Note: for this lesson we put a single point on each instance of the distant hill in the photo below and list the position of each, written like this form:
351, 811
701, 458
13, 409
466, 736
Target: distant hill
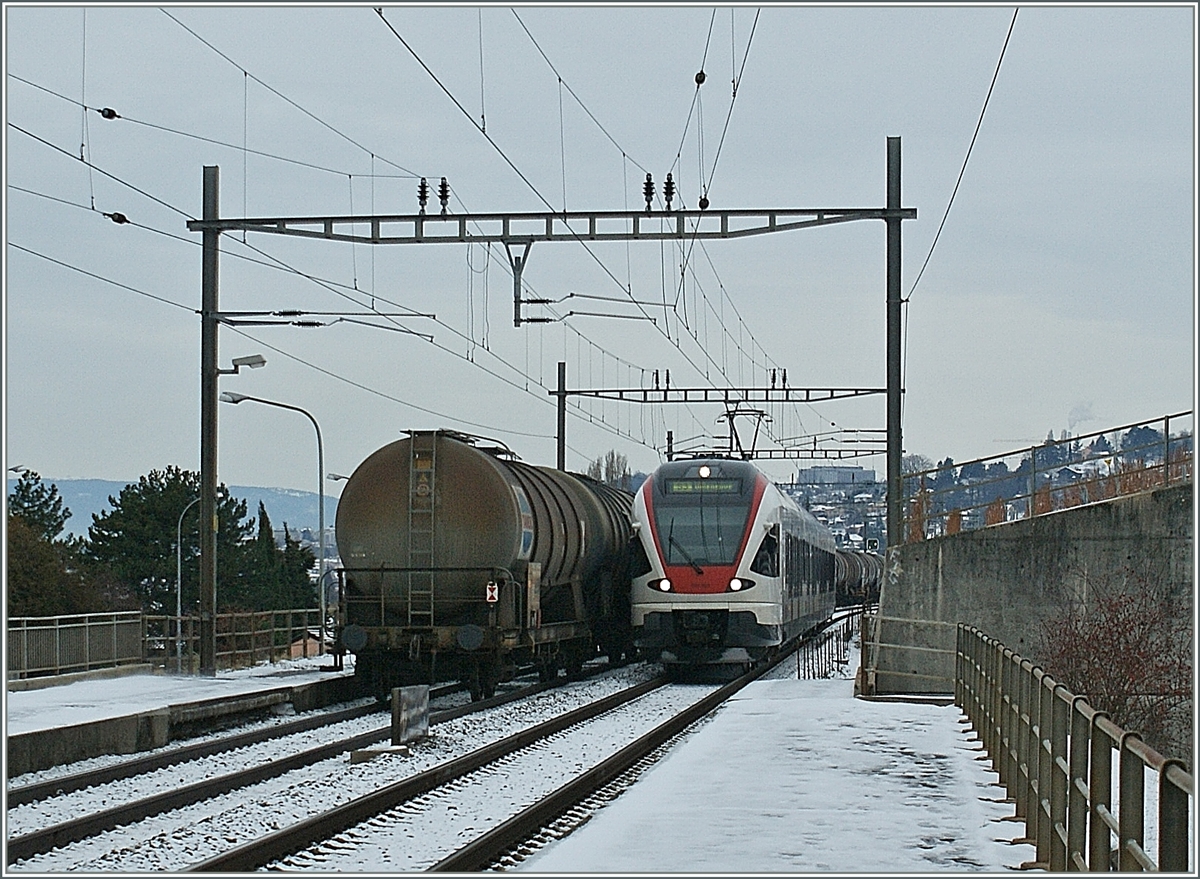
83, 497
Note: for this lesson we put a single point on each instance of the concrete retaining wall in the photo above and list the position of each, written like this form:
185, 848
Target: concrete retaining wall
1008, 578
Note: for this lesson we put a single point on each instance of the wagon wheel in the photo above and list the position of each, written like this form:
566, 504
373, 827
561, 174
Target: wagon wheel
574, 661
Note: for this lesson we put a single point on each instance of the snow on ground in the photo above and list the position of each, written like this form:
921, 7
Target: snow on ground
789, 776
91, 700
799, 776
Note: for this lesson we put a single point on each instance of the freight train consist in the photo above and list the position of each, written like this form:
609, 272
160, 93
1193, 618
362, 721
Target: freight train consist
727, 568
462, 562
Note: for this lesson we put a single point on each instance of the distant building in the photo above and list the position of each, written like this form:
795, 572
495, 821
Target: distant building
848, 475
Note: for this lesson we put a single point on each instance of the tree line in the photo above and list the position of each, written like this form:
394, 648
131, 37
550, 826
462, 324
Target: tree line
129, 559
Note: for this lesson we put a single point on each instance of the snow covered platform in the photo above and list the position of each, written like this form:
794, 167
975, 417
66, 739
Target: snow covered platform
135, 712
790, 776
799, 776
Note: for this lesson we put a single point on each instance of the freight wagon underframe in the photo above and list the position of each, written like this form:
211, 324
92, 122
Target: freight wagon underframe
480, 646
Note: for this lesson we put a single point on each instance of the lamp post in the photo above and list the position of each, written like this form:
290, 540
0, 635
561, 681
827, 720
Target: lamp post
230, 397
179, 587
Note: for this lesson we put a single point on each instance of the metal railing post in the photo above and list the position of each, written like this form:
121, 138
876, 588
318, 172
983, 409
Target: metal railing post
1166, 450
1009, 685
1077, 788
1032, 481
1129, 816
1022, 740
1061, 769
1173, 819
995, 738
1100, 793
1042, 767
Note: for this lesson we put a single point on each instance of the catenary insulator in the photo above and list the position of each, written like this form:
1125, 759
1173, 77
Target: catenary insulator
444, 194
648, 191
109, 113
117, 217
669, 191
703, 202
423, 193
700, 77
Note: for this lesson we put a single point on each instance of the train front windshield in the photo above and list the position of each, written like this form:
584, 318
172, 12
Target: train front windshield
701, 519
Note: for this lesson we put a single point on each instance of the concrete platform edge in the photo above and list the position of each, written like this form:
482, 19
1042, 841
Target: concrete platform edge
42, 749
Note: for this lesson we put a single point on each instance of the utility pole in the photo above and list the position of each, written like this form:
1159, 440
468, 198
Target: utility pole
895, 439
208, 425
561, 393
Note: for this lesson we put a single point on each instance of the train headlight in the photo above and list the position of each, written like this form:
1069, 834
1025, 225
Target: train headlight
663, 585
739, 584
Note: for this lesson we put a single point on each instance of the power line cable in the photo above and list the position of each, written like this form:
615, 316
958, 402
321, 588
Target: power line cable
109, 113
570, 90
282, 96
57, 148
461, 108
967, 157
729, 115
120, 218
946, 214
65, 265
521, 175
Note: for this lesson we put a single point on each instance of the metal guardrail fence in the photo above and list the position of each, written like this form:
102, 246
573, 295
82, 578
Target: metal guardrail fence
64, 644
1053, 476
825, 654
243, 639
1053, 752
43, 646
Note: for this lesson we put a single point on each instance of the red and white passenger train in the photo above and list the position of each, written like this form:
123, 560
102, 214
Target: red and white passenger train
730, 567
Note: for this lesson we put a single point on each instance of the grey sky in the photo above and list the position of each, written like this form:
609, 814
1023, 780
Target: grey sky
1061, 293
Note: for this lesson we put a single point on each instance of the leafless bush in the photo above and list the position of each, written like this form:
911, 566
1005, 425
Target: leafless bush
1129, 650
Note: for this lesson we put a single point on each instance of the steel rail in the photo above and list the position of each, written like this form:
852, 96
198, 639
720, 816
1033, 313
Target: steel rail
488, 848
30, 793
48, 838
65, 784
259, 852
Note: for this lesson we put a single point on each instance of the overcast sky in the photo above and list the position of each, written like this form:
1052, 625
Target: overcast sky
1061, 294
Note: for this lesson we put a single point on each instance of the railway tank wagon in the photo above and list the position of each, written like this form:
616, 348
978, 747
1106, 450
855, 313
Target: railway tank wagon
858, 577
461, 562
726, 567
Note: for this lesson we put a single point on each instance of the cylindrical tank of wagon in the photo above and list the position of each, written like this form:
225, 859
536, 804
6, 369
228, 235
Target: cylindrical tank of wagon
488, 513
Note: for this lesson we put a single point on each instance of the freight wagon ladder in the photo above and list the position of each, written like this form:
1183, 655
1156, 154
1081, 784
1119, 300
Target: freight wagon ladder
422, 471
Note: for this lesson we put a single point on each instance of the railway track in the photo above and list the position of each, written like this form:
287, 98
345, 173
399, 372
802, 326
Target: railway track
492, 798
569, 805
25, 845
418, 823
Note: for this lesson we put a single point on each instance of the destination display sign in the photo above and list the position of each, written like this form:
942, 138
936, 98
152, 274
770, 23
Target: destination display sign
704, 486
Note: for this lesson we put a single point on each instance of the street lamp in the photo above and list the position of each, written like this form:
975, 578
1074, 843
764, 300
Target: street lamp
179, 587
231, 397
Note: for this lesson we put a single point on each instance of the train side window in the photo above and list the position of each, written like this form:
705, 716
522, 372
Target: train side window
766, 560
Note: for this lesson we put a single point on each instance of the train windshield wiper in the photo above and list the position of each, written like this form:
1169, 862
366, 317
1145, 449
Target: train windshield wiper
683, 552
